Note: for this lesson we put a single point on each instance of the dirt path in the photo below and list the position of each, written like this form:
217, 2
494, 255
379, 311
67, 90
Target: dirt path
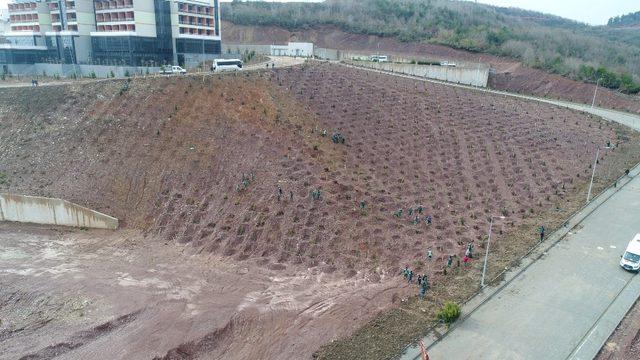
84, 294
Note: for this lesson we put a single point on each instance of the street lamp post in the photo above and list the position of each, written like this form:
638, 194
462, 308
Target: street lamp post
486, 255
593, 173
594, 93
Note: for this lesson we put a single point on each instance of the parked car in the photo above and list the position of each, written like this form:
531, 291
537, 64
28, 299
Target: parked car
168, 70
630, 260
379, 58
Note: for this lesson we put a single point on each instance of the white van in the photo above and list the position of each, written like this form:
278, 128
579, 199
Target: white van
379, 58
631, 258
226, 64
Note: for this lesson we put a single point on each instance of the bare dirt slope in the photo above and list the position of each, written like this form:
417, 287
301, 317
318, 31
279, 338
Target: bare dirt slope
510, 75
168, 156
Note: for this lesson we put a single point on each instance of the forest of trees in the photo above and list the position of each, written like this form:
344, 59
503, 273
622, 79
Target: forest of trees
632, 19
538, 40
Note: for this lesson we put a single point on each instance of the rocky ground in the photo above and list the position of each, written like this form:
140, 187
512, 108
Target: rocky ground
195, 163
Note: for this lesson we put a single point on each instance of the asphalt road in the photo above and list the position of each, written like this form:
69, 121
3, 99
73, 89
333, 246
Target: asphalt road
563, 306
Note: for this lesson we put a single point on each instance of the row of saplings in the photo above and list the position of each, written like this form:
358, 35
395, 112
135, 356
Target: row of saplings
450, 311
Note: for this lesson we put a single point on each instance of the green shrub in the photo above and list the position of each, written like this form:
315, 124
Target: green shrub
92, 75
3, 178
112, 74
449, 313
127, 74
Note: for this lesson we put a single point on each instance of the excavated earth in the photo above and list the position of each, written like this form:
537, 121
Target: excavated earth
508, 74
209, 262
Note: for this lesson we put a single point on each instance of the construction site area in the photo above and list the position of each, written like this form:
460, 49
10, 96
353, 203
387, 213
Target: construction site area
269, 213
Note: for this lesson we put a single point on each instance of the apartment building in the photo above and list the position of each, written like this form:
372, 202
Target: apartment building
71, 24
48, 31
24, 39
112, 32
143, 32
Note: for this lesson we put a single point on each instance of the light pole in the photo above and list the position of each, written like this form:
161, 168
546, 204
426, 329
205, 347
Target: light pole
594, 93
486, 255
593, 173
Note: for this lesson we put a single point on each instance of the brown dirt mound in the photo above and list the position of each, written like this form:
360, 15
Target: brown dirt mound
510, 75
168, 156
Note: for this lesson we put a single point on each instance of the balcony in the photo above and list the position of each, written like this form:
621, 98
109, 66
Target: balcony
109, 5
22, 7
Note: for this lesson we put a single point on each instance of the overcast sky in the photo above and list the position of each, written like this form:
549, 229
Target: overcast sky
595, 12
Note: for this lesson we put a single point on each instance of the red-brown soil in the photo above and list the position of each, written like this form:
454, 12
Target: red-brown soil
624, 343
167, 155
510, 75
73, 294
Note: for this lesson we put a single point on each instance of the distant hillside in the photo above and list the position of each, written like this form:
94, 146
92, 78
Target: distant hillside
542, 41
632, 19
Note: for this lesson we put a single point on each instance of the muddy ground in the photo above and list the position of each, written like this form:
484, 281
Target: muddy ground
192, 165
78, 294
510, 75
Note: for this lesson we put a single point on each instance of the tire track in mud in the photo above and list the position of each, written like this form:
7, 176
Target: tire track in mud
83, 338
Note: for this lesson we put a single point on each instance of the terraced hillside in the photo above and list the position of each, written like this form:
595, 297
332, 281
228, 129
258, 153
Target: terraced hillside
168, 156
200, 162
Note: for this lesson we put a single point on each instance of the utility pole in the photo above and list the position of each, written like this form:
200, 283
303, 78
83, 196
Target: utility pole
594, 93
593, 173
486, 255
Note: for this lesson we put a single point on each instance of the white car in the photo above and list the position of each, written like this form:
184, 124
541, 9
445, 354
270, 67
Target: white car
379, 58
630, 260
172, 70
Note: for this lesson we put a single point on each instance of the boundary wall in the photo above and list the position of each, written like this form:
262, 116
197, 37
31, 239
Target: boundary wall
478, 76
51, 211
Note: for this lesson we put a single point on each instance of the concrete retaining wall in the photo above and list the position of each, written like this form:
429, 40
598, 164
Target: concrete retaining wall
42, 210
246, 48
326, 54
477, 76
